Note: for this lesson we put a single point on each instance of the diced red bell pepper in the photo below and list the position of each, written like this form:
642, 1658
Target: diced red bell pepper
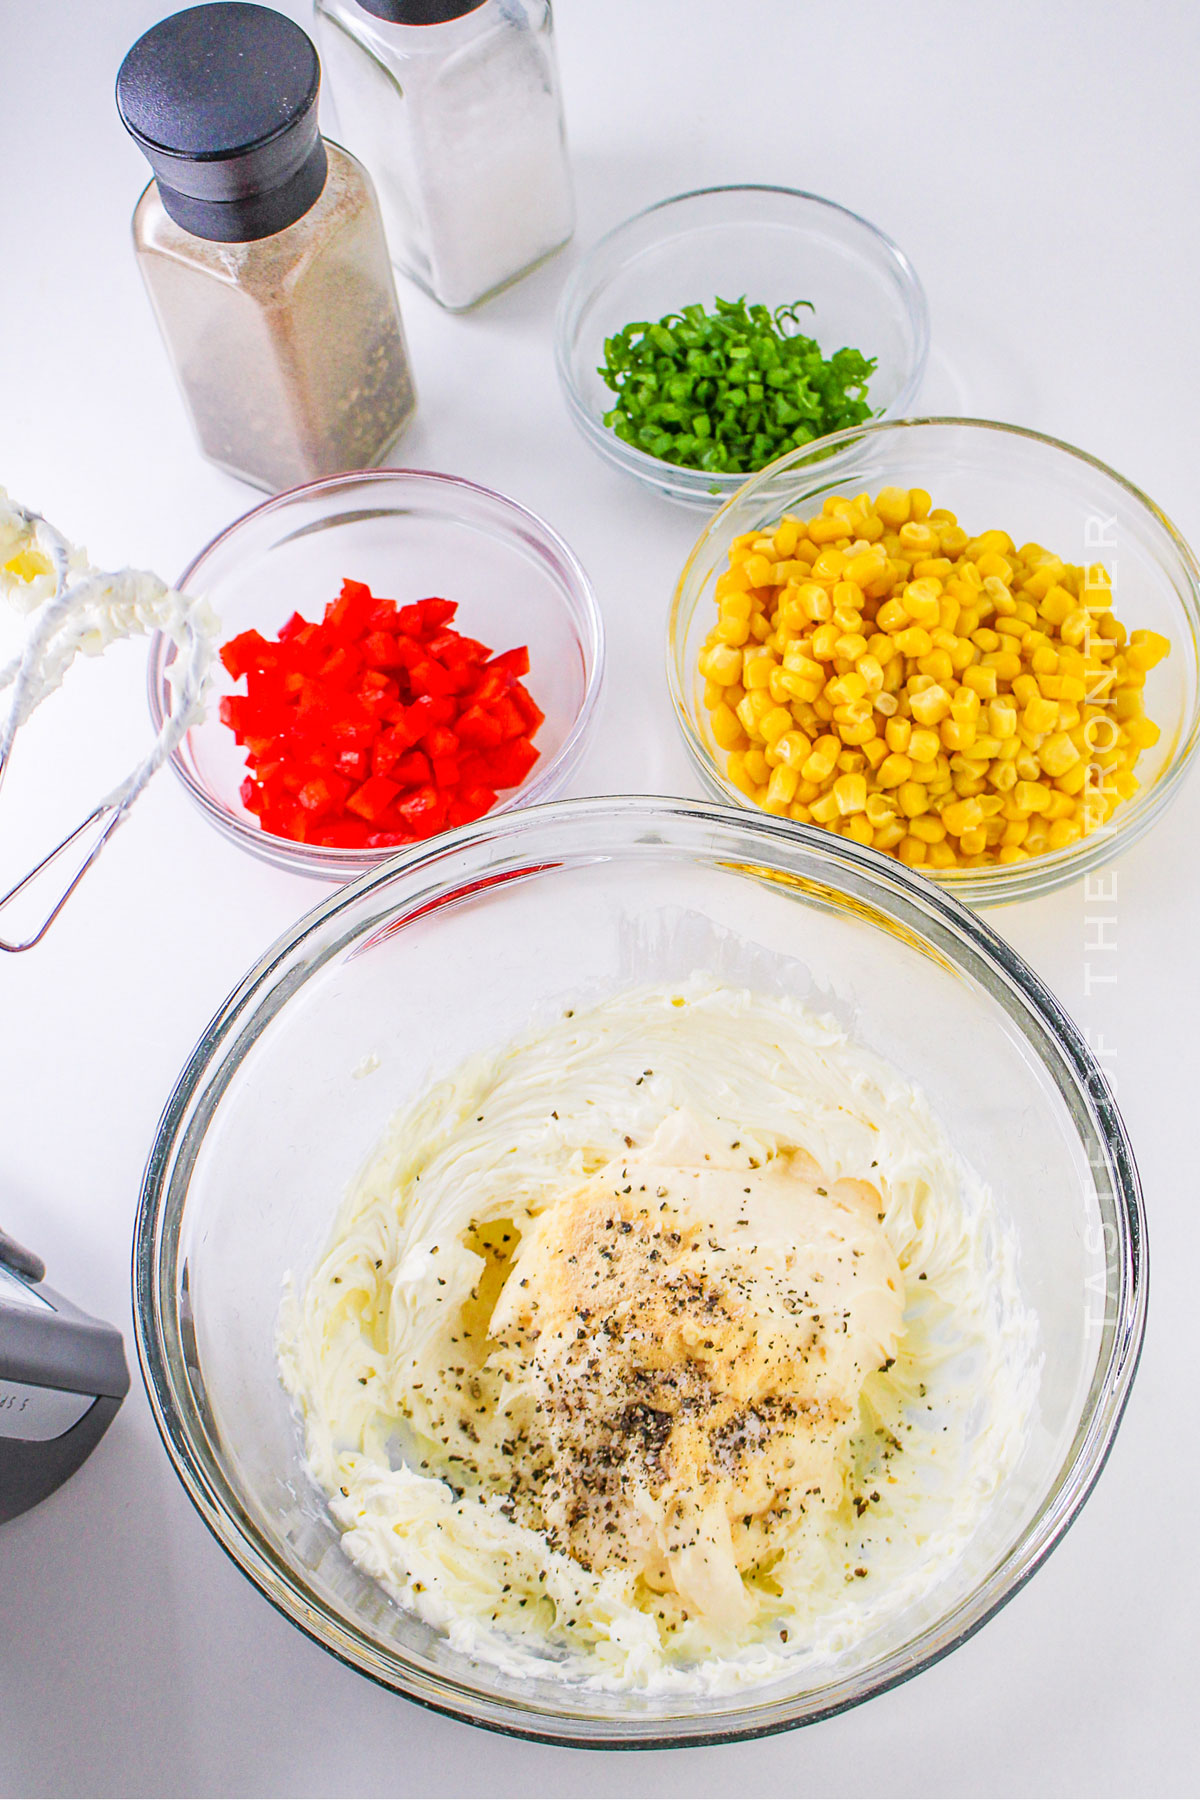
512, 663
477, 727
509, 718
249, 650
510, 764
373, 798
334, 710
435, 612
412, 770
528, 707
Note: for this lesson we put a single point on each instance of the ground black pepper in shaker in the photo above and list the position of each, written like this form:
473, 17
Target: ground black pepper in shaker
262, 250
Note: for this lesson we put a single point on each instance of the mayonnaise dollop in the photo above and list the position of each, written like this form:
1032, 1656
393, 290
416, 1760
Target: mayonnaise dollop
669, 1348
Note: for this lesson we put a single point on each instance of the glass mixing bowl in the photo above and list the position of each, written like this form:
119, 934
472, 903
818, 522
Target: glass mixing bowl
991, 476
769, 244
455, 947
407, 533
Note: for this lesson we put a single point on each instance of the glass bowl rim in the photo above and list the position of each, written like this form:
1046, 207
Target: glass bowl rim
156, 1241
700, 483
331, 863
1003, 883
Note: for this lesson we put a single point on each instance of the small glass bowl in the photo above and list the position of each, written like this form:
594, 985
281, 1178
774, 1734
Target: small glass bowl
771, 244
448, 952
993, 477
407, 533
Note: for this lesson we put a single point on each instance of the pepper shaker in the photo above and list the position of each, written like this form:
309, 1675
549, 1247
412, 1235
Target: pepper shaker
454, 107
262, 249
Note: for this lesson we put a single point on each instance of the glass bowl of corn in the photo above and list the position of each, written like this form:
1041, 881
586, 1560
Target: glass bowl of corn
961, 644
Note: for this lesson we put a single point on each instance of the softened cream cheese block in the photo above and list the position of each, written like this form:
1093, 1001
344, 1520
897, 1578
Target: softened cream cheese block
669, 1348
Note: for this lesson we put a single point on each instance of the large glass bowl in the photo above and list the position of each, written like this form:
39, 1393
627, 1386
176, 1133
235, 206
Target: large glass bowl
454, 948
407, 533
772, 245
993, 477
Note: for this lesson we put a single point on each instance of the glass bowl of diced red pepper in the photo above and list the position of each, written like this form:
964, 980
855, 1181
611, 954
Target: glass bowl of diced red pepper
401, 652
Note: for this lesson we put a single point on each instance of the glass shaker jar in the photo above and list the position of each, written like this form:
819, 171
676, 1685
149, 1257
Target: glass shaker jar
262, 250
454, 107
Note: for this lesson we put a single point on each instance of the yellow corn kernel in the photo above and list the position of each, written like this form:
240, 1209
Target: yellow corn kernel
981, 681
1141, 733
893, 770
1031, 797
1057, 754
892, 616
1012, 853
923, 744
893, 506
859, 830
732, 630
1146, 649
850, 646
1007, 664
846, 690
759, 571
825, 810
783, 783
735, 769
787, 535
1039, 715
889, 835
1075, 628
870, 671
880, 808
1002, 718
814, 602
930, 706
962, 815
913, 641
726, 728
874, 749
912, 851
957, 734
897, 733
793, 748
866, 567
756, 668
721, 663
830, 564
850, 792
774, 723
918, 539
973, 842
912, 797
1063, 832
929, 829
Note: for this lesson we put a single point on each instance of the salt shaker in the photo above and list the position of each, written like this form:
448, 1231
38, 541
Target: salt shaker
262, 249
454, 107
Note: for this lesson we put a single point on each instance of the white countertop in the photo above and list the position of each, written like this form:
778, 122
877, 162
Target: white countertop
1040, 166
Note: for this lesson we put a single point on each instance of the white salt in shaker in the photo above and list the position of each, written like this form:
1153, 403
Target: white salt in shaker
454, 108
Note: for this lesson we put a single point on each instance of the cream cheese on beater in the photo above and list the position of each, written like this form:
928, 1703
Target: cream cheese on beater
669, 1348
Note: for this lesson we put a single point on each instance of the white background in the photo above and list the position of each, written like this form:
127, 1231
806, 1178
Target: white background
1040, 163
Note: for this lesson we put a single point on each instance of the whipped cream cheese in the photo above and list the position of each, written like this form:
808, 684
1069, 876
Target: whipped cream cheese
669, 1348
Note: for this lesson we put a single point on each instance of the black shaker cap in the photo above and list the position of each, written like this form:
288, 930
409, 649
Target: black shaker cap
222, 101
419, 12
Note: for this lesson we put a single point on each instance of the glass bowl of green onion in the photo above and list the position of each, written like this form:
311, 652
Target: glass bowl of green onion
719, 330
